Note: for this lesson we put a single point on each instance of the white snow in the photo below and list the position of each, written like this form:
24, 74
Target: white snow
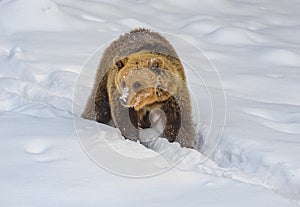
49, 52
124, 94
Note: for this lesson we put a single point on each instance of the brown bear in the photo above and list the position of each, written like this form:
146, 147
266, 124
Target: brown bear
140, 81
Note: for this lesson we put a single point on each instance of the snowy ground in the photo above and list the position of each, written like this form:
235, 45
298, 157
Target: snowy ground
255, 48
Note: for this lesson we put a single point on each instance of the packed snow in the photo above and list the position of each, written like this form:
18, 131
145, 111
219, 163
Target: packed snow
242, 60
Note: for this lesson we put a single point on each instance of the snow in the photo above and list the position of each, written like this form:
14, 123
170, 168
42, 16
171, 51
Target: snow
242, 64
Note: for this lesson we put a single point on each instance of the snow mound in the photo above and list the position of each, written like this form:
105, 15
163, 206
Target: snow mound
234, 35
31, 15
279, 56
23, 91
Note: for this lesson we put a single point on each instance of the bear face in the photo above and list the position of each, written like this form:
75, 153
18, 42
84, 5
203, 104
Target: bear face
145, 78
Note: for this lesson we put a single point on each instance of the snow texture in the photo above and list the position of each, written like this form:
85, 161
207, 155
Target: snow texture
253, 45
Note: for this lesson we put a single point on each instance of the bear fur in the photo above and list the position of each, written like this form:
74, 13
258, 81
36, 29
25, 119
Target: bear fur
139, 81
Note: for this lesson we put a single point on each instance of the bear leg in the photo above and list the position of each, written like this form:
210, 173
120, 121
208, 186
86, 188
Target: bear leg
173, 122
102, 107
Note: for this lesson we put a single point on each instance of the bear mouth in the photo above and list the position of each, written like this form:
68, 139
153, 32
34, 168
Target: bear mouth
143, 98
139, 99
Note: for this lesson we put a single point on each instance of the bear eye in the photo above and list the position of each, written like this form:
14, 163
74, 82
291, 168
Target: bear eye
155, 64
137, 84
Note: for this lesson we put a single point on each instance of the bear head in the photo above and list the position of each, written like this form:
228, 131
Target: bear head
145, 78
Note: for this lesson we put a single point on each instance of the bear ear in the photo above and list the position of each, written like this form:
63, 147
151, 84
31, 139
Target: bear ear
121, 63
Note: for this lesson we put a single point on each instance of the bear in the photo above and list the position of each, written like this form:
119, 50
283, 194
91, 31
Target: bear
141, 81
